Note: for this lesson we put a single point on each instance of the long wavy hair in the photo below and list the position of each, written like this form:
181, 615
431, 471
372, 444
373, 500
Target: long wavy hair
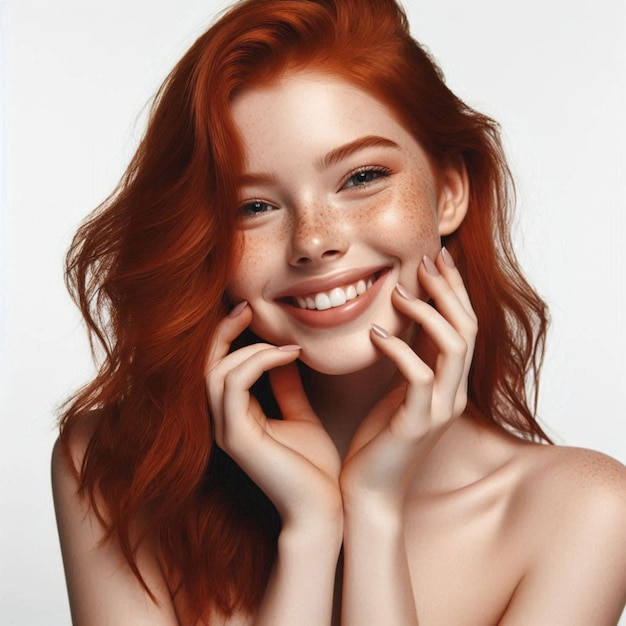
149, 269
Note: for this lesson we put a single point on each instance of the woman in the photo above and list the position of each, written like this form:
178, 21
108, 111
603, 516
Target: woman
315, 228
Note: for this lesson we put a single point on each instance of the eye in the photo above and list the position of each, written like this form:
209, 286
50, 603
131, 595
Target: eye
254, 208
365, 175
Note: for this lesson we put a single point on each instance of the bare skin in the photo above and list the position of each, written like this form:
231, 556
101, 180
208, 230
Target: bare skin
469, 548
443, 519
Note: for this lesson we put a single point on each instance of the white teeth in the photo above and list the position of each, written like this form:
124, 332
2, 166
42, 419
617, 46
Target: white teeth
335, 297
322, 302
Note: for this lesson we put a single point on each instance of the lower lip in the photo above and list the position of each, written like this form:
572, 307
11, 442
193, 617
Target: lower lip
338, 315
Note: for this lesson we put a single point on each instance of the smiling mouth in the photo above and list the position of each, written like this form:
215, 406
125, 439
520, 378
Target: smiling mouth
335, 297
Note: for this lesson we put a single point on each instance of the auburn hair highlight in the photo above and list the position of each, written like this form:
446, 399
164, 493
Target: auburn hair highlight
149, 270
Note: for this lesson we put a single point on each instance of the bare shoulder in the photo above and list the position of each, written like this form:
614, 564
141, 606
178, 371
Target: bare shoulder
563, 478
66, 465
563, 489
101, 586
569, 507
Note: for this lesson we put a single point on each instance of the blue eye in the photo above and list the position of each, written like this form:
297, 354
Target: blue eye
256, 207
364, 176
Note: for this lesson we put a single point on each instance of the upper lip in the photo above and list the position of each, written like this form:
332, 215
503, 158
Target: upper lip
326, 283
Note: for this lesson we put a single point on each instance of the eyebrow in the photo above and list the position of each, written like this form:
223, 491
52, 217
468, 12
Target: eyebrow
334, 156
343, 152
246, 180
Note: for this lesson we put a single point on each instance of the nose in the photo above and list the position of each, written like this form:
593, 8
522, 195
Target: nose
318, 236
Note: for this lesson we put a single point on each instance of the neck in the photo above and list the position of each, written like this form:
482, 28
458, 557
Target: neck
341, 402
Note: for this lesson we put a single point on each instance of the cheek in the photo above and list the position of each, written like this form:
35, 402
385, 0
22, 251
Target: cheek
252, 266
407, 222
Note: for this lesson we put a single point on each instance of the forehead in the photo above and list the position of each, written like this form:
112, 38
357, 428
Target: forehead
310, 110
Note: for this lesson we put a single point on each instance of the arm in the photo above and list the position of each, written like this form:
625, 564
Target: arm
300, 589
394, 440
377, 584
102, 589
292, 460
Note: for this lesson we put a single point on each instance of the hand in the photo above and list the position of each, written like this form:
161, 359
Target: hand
398, 434
292, 460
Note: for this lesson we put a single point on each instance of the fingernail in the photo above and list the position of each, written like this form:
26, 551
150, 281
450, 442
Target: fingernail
405, 293
238, 309
380, 331
431, 268
292, 347
447, 259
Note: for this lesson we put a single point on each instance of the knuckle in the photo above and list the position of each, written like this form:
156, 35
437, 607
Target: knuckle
460, 399
211, 366
213, 372
472, 324
212, 388
468, 331
460, 403
232, 380
423, 376
458, 346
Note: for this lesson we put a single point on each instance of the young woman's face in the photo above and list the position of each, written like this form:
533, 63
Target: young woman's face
338, 203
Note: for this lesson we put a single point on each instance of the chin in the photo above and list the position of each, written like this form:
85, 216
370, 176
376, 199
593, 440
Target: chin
339, 351
342, 361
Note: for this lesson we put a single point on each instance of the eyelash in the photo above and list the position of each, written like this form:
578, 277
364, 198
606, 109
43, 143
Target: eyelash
247, 210
382, 172
243, 209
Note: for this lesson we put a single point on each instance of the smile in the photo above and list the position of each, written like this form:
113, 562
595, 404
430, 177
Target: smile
341, 303
335, 297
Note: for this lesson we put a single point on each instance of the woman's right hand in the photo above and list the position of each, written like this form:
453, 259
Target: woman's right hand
292, 460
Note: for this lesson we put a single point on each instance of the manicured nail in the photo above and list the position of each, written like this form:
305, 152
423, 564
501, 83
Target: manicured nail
447, 259
380, 331
237, 310
431, 268
292, 347
405, 293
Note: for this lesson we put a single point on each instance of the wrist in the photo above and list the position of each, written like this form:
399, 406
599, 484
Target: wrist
385, 499
375, 513
312, 539
314, 517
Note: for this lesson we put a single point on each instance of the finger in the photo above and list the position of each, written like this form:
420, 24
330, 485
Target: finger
227, 331
215, 381
237, 382
215, 376
449, 295
420, 379
448, 269
289, 393
452, 348
469, 330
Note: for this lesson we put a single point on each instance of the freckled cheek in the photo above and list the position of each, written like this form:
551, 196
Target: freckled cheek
405, 223
252, 268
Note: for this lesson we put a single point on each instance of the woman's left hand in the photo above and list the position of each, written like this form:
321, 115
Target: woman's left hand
398, 434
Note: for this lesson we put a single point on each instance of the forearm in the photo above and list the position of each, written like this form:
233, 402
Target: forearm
300, 589
376, 585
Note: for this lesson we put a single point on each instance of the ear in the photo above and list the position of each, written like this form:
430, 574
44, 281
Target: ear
453, 196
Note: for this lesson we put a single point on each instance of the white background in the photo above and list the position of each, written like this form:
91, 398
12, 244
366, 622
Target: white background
76, 78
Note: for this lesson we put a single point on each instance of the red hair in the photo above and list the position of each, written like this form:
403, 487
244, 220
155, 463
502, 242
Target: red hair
150, 267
